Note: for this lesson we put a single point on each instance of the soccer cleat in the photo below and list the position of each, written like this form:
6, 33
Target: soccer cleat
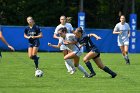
114, 75
69, 71
92, 74
36, 69
73, 71
86, 75
128, 62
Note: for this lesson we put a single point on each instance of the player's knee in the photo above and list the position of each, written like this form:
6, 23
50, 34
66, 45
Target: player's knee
30, 56
125, 51
85, 59
76, 64
65, 58
101, 67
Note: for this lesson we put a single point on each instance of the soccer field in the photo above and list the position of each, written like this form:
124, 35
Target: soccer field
17, 75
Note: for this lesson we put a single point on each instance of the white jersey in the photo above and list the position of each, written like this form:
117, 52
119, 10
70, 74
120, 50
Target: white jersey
67, 25
123, 37
70, 37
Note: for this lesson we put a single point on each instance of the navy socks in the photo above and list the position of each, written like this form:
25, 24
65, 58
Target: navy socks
89, 65
35, 58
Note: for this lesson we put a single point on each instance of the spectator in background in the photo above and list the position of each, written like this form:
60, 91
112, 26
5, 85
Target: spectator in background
4, 41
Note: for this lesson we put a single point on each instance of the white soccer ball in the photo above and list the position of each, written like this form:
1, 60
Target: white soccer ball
38, 73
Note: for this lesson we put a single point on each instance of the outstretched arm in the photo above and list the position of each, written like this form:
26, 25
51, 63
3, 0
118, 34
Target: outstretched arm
54, 46
94, 35
5, 42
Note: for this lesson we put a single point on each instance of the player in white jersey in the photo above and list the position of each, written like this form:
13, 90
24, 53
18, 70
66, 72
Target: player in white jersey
63, 47
74, 52
123, 30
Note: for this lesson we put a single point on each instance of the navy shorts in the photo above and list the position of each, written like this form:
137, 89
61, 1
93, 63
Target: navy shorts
34, 44
95, 50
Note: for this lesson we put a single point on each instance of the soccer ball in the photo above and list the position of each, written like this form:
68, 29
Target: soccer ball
38, 73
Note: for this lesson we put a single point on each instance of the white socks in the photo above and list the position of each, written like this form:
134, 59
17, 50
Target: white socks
69, 65
126, 57
82, 69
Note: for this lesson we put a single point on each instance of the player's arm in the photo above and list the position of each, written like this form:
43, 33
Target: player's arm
54, 46
25, 36
55, 36
117, 32
128, 33
38, 36
69, 42
5, 42
94, 35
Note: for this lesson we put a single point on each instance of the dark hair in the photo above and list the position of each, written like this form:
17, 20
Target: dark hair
63, 29
79, 29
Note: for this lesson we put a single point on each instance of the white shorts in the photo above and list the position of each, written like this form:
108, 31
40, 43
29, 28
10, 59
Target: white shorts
123, 42
77, 53
63, 47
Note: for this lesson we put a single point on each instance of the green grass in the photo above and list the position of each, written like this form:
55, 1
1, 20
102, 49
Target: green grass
17, 75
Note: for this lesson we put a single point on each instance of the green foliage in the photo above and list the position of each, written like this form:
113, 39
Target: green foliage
99, 13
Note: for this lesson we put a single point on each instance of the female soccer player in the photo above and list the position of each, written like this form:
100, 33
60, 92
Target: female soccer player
33, 33
93, 52
69, 27
74, 51
4, 41
123, 30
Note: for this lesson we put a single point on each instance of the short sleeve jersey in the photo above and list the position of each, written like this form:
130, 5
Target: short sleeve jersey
67, 25
86, 41
69, 37
124, 28
34, 31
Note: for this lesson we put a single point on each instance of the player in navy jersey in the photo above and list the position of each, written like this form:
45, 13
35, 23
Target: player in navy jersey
93, 52
4, 41
33, 33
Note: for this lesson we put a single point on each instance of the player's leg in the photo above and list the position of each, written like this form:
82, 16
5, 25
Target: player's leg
81, 68
122, 50
30, 49
86, 59
68, 58
99, 63
122, 47
34, 56
69, 68
0, 54
126, 54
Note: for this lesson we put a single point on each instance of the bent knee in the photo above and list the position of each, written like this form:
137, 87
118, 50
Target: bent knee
31, 57
85, 59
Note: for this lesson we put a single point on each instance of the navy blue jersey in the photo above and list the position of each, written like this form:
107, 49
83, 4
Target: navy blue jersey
86, 41
34, 31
